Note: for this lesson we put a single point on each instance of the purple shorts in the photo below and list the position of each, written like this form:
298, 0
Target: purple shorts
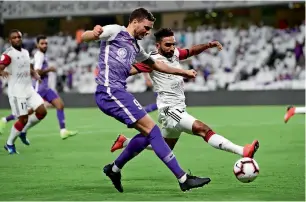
48, 94
120, 104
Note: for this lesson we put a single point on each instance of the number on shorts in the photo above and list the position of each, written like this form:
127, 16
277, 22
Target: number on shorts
137, 104
23, 105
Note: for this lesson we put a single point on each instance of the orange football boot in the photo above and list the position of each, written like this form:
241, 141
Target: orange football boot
250, 149
290, 112
118, 144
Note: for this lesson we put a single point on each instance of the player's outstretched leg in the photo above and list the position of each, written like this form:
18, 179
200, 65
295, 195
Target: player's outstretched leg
34, 118
59, 105
220, 142
4, 120
291, 111
15, 132
151, 107
153, 136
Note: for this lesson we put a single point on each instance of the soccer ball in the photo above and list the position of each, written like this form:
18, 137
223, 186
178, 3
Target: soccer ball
246, 170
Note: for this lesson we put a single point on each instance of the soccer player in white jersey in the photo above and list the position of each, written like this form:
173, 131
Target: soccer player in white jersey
40, 64
171, 99
15, 66
291, 111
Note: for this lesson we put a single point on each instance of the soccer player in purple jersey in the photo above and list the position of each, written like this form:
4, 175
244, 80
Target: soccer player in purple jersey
118, 51
40, 64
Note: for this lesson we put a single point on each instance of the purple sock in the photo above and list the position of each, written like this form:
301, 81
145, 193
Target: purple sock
10, 118
135, 146
164, 152
61, 118
150, 108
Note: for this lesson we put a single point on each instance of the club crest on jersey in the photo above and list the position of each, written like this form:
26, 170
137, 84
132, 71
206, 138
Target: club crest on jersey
121, 54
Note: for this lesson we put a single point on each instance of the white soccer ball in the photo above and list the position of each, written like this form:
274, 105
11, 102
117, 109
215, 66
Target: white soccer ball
246, 170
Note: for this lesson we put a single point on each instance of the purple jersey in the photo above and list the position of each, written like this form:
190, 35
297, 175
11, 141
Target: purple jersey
40, 63
118, 51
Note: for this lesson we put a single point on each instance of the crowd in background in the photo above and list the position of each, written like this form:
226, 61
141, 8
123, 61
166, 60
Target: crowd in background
254, 58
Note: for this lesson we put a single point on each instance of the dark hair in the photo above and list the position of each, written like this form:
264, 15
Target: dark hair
162, 33
141, 14
40, 37
13, 31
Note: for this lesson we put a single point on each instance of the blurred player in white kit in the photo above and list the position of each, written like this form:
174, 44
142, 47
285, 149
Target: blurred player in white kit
15, 66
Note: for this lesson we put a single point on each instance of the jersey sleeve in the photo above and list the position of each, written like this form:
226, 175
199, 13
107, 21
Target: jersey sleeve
142, 55
141, 67
38, 61
5, 60
183, 54
109, 31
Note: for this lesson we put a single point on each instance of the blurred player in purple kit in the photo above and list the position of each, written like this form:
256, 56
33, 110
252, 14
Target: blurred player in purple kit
40, 64
118, 51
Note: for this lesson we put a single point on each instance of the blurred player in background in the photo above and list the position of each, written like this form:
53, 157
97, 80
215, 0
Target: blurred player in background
16, 61
40, 64
171, 99
291, 111
118, 51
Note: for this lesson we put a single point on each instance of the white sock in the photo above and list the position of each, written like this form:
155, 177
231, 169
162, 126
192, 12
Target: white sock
300, 110
4, 120
115, 168
63, 130
13, 136
33, 120
127, 141
183, 178
219, 142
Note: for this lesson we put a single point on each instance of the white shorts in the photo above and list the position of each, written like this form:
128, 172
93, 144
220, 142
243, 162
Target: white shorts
20, 105
174, 121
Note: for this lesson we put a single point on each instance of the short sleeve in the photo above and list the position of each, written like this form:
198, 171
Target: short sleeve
38, 60
5, 60
183, 54
109, 31
142, 55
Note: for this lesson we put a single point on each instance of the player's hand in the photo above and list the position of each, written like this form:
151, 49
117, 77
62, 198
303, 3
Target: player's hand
191, 74
37, 77
4, 74
216, 44
97, 31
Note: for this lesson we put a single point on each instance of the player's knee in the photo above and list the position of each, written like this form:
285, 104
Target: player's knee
23, 120
200, 128
41, 113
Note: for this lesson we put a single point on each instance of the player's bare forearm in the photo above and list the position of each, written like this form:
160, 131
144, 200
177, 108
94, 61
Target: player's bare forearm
197, 49
89, 36
44, 72
33, 72
162, 67
2, 67
134, 71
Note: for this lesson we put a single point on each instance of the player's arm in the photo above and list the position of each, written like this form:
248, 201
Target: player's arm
197, 49
37, 63
157, 65
100, 33
4, 62
34, 73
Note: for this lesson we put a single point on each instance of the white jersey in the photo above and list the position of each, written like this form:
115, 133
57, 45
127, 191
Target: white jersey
169, 88
18, 66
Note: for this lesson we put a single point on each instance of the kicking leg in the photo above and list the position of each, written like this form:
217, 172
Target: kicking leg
220, 142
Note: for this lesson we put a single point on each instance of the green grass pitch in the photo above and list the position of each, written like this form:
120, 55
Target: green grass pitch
55, 169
